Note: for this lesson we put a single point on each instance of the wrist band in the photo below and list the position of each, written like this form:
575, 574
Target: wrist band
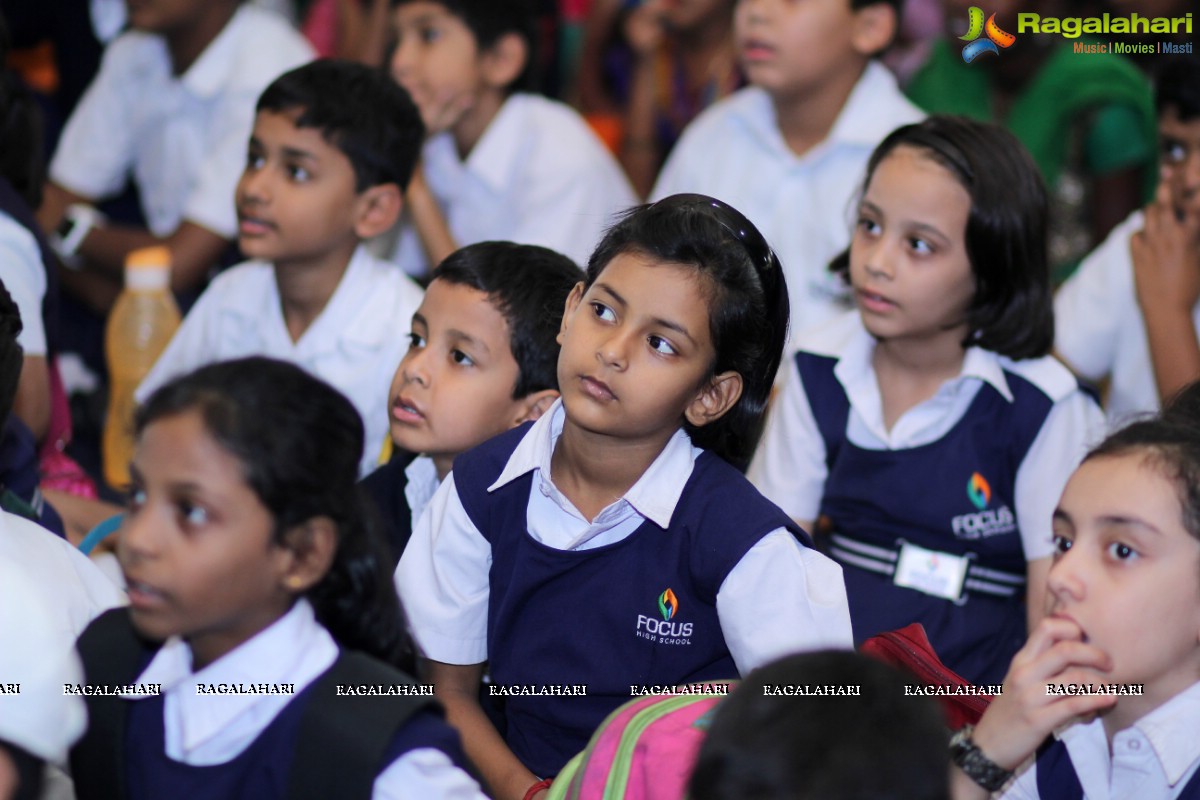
975, 764
78, 221
537, 787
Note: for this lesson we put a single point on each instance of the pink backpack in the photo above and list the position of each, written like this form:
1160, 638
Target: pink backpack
645, 750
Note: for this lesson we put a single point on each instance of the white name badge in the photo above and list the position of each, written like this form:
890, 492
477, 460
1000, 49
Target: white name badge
930, 571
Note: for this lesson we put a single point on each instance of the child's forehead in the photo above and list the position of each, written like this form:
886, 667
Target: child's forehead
461, 307
286, 128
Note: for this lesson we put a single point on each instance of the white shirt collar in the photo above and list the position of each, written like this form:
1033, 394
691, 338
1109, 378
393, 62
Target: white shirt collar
420, 484
294, 649
654, 495
209, 73
1171, 730
498, 149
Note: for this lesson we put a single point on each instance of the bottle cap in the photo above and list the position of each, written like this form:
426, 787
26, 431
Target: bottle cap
148, 268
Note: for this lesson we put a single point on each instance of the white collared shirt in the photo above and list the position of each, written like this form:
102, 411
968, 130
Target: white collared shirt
208, 729
1152, 760
789, 466
538, 175
1099, 329
735, 152
183, 137
780, 598
354, 344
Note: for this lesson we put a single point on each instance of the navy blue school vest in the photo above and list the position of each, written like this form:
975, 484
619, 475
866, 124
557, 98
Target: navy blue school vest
641, 611
1056, 778
385, 486
15, 206
955, 495
320, 745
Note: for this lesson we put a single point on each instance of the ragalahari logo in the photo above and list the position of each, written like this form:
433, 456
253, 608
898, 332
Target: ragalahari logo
978, 491
668, 604
996, 38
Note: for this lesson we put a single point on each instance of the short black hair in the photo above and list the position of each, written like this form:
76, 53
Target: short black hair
748, 305
489, 20
1178, 86
879, 743
1012, 312
359, 110
12, 357
529, 286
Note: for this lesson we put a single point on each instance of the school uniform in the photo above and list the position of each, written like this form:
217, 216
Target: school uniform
1099, 329
25, 276
401, 489
971, 476
691, 575
1154, 759
354, 344
182, 137
187, 741
537, 175
803, 205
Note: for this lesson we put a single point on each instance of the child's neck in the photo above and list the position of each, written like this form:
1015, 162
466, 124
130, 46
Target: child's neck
306, 288
806, 118
185, 46
595, 470
911, 372
474, 123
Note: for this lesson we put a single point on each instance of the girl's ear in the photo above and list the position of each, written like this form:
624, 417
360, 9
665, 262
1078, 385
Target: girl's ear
311, 547
532, 406
719, 395
376, 209
873, 29
504, 61
572, 304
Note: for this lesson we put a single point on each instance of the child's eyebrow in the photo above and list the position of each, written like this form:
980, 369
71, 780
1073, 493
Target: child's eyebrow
298, 154
1118, 521
666, 323
456, 335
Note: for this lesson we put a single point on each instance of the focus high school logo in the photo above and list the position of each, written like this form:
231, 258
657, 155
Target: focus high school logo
996, 38
985, 521
666, 630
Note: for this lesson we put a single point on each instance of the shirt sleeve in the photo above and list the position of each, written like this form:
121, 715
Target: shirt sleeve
782, 598
789, 465
24, 276
95, 152
1074, 424
210, 204
1089, 308
425, 772
442, 579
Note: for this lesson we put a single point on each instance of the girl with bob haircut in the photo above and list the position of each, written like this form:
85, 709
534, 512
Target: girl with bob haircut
250, 561
927, 434
613, 542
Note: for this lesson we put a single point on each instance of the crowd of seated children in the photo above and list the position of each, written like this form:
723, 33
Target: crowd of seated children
928, 434
1087, 122
333, 147
613, 541
500, 163
1130, 313
789, 150
482, 358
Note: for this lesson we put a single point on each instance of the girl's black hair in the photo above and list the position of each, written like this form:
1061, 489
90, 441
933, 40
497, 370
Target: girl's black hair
879, 743
748, 307
299, 442
1171, 443
1012, 312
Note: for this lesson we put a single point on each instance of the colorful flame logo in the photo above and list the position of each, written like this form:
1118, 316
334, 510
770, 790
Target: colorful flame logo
996, 38
978, 491
668, 604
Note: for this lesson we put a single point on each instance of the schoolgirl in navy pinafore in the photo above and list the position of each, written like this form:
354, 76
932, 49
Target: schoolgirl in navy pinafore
955, 495
603, 618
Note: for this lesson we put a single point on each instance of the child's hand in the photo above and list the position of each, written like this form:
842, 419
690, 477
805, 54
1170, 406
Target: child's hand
1020, 719
1166, 254
644, 30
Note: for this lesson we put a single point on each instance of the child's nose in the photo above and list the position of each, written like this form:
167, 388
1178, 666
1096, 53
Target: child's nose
254, 185
614, 350
403, 59
879, 257
415, 366
136, 538
1066, 579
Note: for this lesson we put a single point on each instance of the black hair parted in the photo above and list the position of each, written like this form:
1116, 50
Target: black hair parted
1012, 311
879, 743
1177, 86
359, 110
529, 286
489, 20
748, 307
299, 442
12, 357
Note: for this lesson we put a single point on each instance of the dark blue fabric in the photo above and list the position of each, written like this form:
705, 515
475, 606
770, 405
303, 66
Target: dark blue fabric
20, 472
884, 497
385, 486
1056, 778
593, 616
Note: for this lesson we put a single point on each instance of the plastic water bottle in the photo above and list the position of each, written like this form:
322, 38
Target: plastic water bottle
140, 325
